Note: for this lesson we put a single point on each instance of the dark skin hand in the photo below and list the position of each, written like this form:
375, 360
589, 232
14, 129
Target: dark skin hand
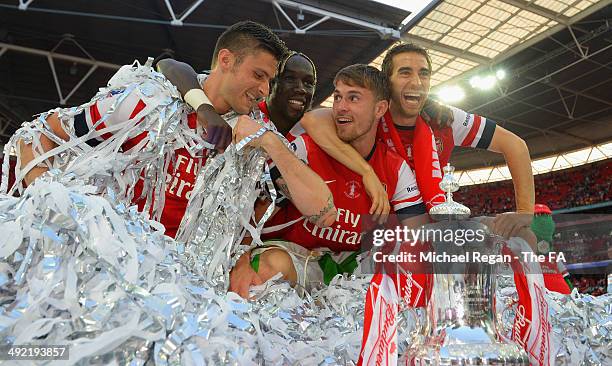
184, 77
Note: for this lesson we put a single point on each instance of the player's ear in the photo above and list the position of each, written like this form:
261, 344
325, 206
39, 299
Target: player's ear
226, 59
381, 108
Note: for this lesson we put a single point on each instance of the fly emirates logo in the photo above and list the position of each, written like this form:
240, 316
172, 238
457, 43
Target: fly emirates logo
182, 181
344, 231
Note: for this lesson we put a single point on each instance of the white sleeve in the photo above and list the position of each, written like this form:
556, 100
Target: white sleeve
407, 196
299, 149
125, 106
471, 130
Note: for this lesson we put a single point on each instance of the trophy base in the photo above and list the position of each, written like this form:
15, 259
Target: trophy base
470, 354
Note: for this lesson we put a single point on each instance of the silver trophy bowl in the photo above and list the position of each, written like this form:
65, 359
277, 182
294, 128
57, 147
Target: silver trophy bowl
460, 326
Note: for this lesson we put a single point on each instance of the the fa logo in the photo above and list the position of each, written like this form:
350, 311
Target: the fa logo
439, 144
352, 189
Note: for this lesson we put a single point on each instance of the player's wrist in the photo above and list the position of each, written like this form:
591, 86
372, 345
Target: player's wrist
196, 98
366, 170
268, 141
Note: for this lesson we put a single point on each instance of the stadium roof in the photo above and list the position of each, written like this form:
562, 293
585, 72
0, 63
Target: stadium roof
556, 54
54, 52
557, 59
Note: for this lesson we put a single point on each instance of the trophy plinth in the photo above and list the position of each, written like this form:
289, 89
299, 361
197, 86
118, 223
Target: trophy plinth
461, 326
449, 210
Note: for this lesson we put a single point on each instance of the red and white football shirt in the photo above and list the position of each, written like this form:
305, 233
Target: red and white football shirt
466, 129
178, 184
350, 198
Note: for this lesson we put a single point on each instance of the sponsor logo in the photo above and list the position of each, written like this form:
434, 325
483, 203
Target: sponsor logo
386, 345
467, 119
521, 325
545, 326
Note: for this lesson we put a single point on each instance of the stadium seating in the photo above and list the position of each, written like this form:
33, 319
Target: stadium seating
580, 186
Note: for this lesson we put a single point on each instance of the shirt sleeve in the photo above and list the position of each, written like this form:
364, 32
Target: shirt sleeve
126, 108
407, 198
471, 130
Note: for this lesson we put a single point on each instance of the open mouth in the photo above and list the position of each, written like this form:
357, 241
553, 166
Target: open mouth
296, 104
251, 97
343, 120
413, 98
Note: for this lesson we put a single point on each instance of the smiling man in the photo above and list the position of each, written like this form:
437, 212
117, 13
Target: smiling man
304, 252
413, 117
291, 93
244, 62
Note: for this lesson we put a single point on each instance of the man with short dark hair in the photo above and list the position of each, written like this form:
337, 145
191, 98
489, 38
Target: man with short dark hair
413, 121
304, 252
245, 60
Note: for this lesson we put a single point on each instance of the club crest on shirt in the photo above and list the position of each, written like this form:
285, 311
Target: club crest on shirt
352, 189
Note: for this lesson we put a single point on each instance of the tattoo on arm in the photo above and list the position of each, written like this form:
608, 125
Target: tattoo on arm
324, 212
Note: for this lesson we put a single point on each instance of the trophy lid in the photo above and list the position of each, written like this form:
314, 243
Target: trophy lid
449, 210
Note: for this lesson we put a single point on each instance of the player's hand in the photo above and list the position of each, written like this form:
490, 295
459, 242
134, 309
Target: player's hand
218, 132
242, 277
510, 224
437, 113
380, 201
245, 126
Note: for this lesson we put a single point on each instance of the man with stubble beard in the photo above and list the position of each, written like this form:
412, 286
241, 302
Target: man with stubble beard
307, 254
413, 117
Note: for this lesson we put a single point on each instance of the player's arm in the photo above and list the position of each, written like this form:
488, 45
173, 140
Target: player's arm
185, 78
82, 124
515, 152
319, 125
26, 153
306, 190
471, 130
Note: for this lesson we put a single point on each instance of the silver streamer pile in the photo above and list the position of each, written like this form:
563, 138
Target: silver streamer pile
99, 277
581, 324
82, 271
163, 120
220, 211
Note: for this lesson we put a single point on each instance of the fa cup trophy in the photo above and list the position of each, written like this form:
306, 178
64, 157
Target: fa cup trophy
460, 326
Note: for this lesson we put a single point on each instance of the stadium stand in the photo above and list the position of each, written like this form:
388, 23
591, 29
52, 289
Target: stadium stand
575, 187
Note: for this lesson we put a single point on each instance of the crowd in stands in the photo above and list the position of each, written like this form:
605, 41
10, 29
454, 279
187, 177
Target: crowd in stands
580, 186
590, 284
584, 247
